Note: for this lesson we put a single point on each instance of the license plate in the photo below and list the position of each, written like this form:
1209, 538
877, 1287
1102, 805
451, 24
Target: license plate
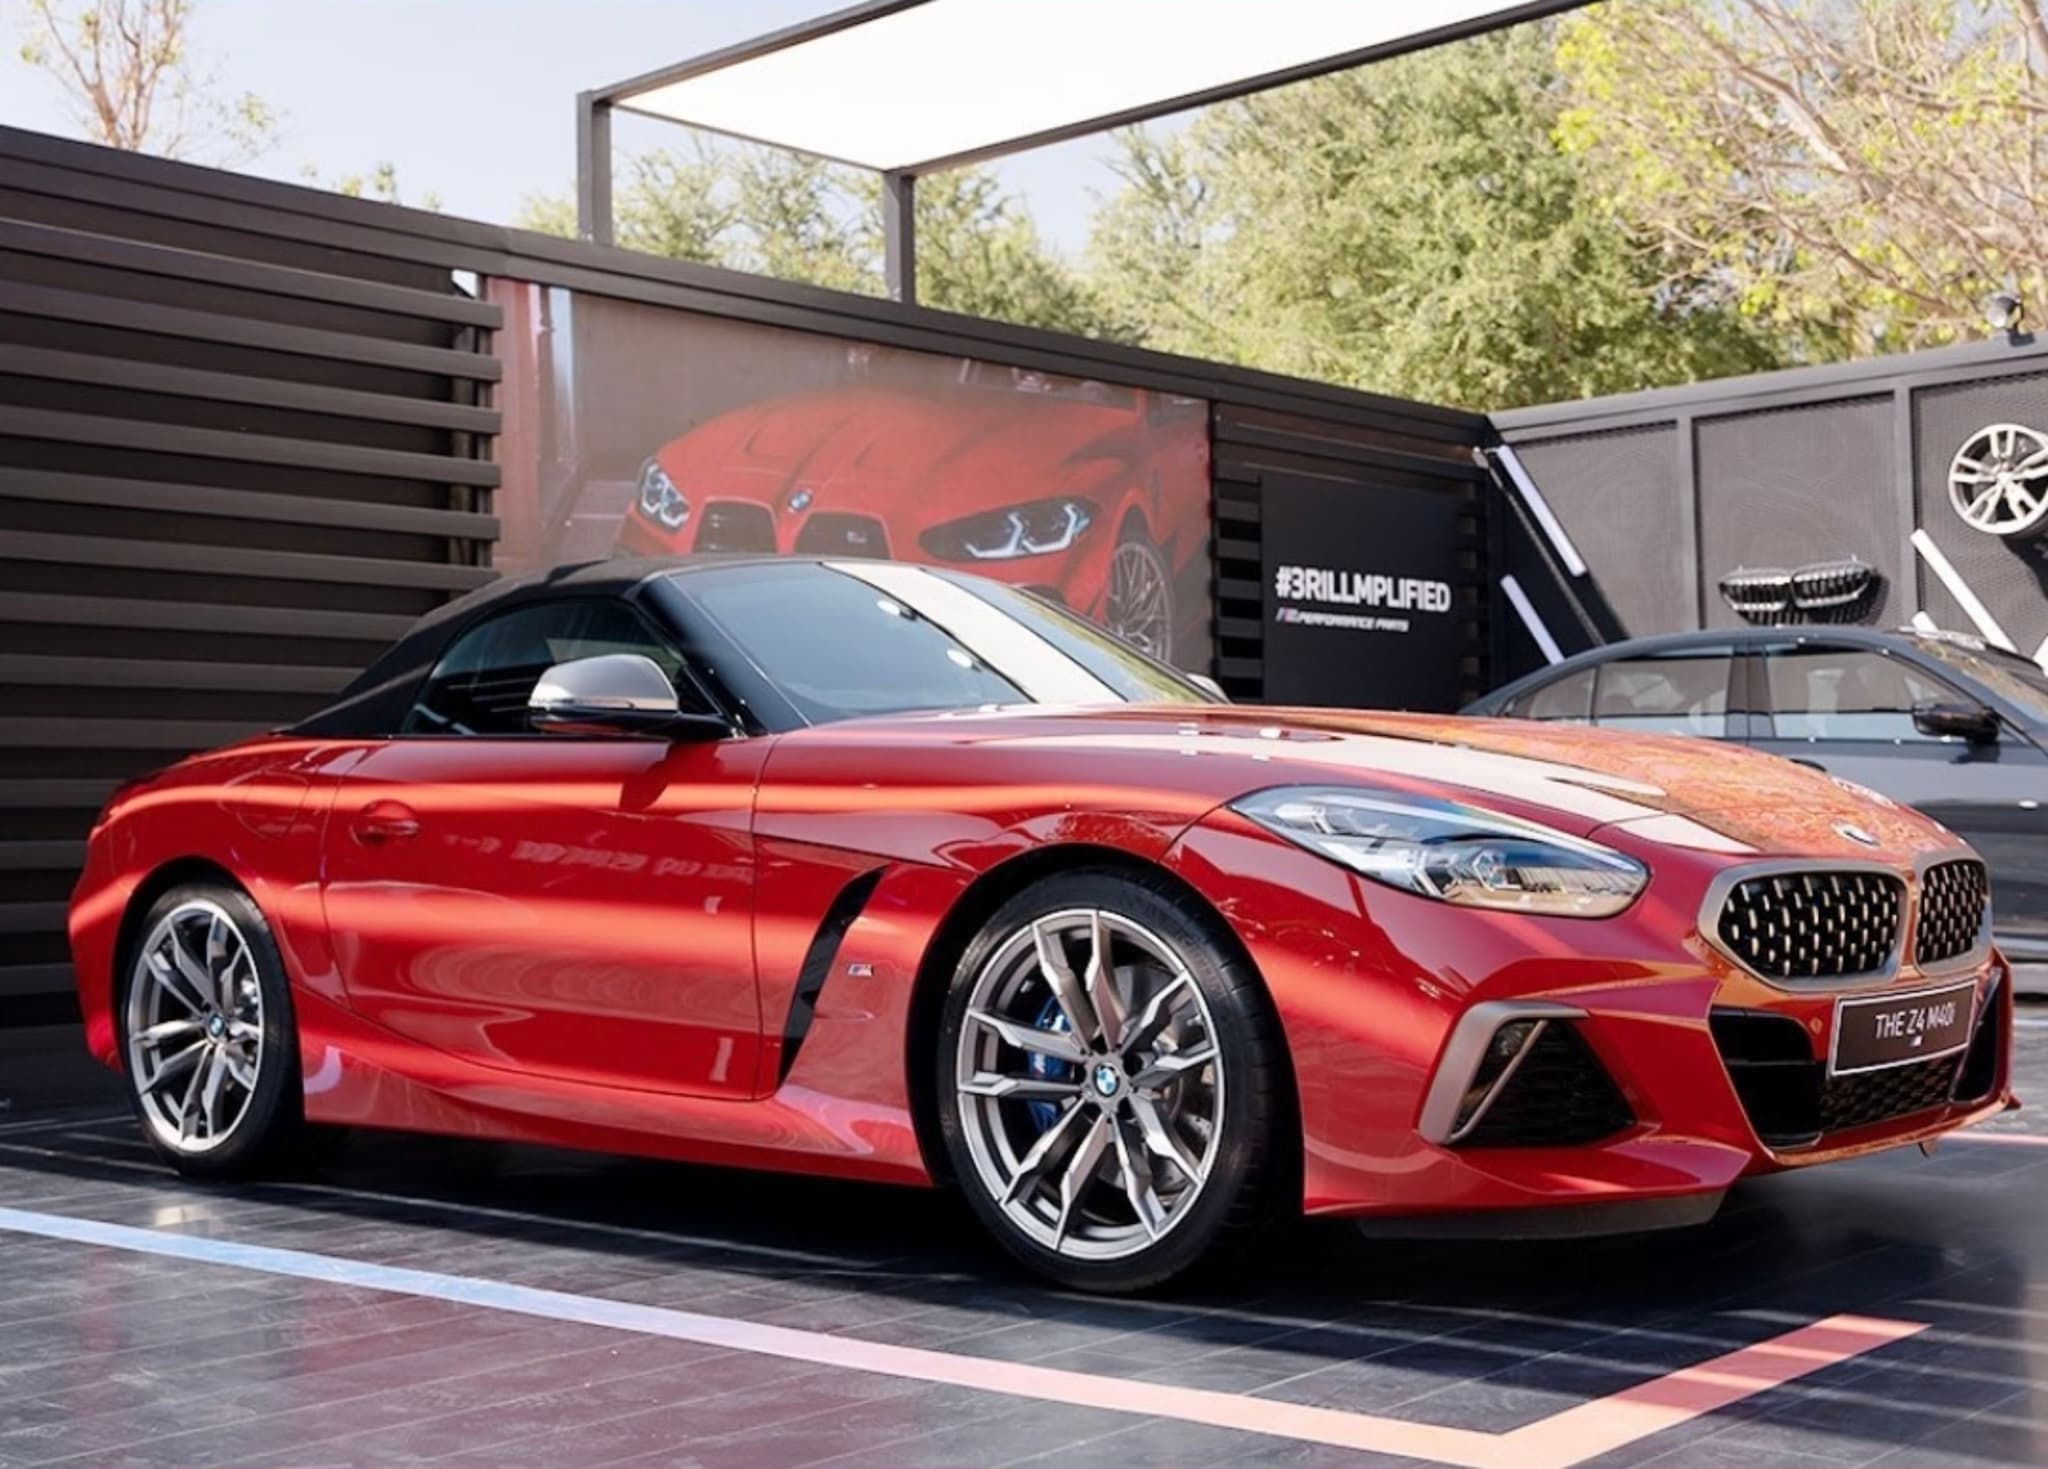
1895, 1030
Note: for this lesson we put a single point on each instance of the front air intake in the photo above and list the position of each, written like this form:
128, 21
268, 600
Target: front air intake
1813, 924
1792, 1102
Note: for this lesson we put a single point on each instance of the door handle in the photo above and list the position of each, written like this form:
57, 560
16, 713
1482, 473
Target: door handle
385, 821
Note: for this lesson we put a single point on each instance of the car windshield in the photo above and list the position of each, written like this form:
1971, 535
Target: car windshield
2006, 675
839, 640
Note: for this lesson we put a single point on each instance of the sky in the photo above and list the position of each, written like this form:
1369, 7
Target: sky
473, 100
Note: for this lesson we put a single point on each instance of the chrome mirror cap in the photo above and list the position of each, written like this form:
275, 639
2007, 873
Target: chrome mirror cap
614, 693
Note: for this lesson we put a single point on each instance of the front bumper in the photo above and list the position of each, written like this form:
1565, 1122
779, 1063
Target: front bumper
1372, 984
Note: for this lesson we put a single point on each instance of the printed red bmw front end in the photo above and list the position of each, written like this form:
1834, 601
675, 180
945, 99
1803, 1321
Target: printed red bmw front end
1092, 493
899, 876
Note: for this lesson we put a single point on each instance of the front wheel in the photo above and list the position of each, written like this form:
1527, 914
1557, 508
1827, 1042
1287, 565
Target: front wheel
1111, 1082
207, 1033
1139, 605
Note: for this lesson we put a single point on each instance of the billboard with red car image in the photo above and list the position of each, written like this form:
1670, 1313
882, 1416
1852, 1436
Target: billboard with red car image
644, 430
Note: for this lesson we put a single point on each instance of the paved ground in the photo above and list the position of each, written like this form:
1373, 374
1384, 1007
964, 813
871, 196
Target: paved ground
462, 1304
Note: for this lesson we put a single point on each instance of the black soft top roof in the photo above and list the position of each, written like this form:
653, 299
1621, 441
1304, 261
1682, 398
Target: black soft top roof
377, 700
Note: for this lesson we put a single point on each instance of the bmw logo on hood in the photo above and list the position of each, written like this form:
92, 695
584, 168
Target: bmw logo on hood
799, 501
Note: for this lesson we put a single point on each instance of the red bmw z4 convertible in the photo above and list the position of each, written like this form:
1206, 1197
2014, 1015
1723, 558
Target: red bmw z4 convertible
893, 873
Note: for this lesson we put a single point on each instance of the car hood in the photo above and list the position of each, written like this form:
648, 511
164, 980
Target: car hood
1686, 792
865, 449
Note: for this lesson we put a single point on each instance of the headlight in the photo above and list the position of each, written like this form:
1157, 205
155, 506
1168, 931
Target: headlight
660, 498
1036, 529
1456, 854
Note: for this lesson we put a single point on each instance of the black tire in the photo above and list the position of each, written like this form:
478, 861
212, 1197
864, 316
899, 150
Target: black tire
269, 1125
1245, 1184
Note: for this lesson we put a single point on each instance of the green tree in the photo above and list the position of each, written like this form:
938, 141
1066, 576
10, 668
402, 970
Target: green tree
1412, 227
1861, 172
798, 219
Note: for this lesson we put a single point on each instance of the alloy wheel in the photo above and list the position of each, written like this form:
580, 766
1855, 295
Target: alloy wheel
194, 1027
1139, 607
1998, 481
1089, 1083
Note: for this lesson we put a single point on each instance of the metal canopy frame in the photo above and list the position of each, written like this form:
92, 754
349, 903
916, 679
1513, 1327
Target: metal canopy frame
594, 111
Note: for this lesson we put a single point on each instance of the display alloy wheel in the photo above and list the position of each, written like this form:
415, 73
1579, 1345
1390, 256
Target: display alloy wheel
206, 1032
1139, 604
1998, 481
1109, 1084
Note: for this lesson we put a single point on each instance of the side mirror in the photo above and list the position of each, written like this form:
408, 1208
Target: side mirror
1972, 722
616, 694
1208, 685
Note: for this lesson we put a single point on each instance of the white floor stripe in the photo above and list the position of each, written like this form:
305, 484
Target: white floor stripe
1561, 1441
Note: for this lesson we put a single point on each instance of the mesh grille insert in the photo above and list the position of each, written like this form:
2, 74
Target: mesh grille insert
734, 525
830, 533
1953, 900
1879, 1096
1813, 925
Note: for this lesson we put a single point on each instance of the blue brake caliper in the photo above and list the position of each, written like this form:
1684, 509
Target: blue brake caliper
1048, 1068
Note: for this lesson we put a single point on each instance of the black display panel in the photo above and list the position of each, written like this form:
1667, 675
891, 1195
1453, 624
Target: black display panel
1360, 594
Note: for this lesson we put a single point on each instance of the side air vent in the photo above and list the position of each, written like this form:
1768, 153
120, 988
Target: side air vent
1955, 899
1554, 1093
1813, 924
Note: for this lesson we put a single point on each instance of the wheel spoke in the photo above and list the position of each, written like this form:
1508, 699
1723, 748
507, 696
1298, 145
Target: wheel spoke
194, 971
174, 983
1063, 1045
187, 1110
1021, 1088
244, 1030
1059, 976
1032, 1166
209, 1092
1080, 1172
1134, 1168
167, 1030
173, 1066
1172, 1065
1154, 1017
1101, 983
1159, 1136
242, 1070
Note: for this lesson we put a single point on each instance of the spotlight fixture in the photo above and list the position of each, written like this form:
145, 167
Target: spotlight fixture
2003, 310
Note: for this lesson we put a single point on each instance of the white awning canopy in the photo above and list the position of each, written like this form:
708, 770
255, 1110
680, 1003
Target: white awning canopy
911, 86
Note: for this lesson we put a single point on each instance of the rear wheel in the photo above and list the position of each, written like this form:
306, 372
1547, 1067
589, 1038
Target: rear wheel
207, 1033
1111, 1082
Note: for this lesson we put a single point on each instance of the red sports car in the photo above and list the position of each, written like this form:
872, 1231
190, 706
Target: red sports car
1094, 494
895, 873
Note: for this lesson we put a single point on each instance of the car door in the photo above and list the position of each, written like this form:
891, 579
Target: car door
1849, 711
574, 906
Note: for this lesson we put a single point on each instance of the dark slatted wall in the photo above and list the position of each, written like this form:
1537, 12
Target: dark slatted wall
235, 461
1414, 448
